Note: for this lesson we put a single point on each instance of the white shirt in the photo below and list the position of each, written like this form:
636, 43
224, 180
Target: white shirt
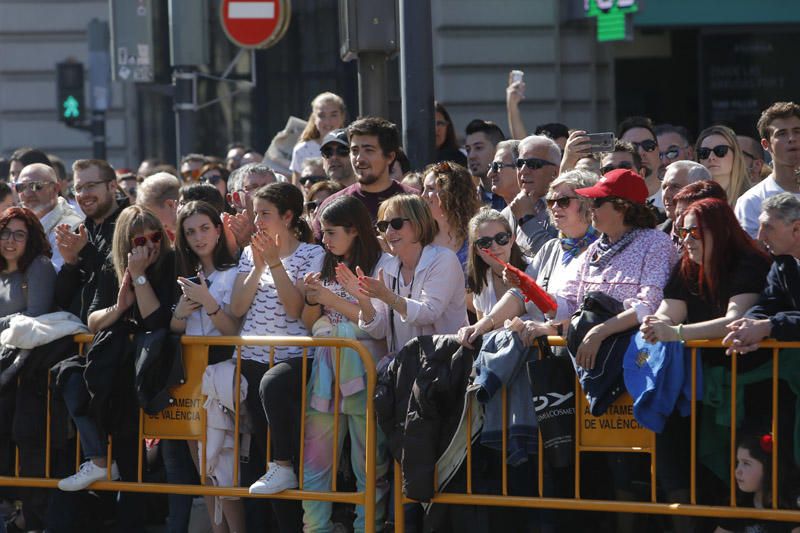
434, 299
302, 151
221, 285
267, 315
748, 206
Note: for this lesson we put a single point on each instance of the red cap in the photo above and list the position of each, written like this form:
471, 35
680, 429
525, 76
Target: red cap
622, 183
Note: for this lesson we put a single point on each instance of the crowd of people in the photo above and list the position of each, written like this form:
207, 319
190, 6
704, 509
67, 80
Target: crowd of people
662, 239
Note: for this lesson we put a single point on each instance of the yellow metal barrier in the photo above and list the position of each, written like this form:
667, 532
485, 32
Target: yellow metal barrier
631, 438
186, 420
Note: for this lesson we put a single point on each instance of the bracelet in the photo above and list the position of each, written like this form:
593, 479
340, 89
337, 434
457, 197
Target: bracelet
678, 330
490, 317
219, 308
179, 318
309, 303
276, 265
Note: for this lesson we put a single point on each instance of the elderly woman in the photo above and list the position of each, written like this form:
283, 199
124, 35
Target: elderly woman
552, 265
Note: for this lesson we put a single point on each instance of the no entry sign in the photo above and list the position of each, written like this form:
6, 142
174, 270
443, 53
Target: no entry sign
255, 23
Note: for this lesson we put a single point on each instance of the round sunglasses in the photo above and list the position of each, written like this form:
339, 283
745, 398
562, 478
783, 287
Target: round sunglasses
501, 239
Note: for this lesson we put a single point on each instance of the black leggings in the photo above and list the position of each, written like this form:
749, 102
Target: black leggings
281, 396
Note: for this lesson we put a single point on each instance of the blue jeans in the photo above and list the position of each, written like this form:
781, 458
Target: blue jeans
93, 441
180, 469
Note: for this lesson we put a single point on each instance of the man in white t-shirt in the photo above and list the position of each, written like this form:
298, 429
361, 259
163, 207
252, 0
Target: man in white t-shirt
779, 128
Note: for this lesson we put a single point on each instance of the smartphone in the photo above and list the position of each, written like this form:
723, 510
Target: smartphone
601, 142
516, 75
196, 279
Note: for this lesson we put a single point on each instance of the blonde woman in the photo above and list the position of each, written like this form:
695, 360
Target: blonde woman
718, 151
328, 113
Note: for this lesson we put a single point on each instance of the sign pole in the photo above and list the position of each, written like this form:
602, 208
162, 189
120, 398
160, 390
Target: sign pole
99, 84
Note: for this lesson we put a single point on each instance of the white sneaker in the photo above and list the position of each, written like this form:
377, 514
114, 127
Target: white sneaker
277, 479
88, 474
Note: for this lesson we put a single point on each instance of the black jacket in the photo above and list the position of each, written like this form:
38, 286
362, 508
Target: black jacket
419, 400
75, 284
780, 299
159, 367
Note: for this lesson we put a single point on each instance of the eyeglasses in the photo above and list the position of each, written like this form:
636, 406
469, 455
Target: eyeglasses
213, 179
501, 239
562, 202
533, 163
312, 205
87, 187
648, 145
672, 152
497, 166
34, 186
307, 181
721, 150
341, 151
622, 164
691, 231
18, 235
597, 203
396, 223
154, 237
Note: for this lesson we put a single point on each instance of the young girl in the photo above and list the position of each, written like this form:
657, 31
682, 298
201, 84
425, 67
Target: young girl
349, 240
268, 293
201, 249
754, 482
327, 114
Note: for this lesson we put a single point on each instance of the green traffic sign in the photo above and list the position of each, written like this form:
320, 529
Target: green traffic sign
611, 18
72, 108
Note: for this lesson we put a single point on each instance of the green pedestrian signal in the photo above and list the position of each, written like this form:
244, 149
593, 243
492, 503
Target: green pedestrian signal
71, 108
613, 18
69, 86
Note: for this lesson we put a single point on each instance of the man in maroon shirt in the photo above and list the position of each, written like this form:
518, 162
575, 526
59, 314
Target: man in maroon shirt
374, 143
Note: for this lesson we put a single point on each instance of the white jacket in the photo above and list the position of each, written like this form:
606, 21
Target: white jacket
28, 332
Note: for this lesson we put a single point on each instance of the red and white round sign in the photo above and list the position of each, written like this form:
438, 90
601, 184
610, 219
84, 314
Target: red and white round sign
255, 23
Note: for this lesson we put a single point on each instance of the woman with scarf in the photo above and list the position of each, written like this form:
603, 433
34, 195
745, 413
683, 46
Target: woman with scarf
552, 265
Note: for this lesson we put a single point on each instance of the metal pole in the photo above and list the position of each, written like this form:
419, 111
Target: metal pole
372, 92
185, 83
416, 82
99, 84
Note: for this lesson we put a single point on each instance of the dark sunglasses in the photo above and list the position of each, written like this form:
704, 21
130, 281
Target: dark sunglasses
533, 163
501, 239
691, 231
154, 237
597, 203
34, 186
496, 166
213, 180
306, 180
622, 164
562, 202
648, 145
341, 151
671, 153
721, 150
395, 223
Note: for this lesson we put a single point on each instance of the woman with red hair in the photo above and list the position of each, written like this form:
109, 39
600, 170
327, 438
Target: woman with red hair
27, 277
717, 279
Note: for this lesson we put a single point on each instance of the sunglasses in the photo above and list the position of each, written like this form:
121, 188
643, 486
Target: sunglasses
691, 231
721, 150
648, 145
597, 203
562, 202
671, 153
496, 166
306, 180
623, 164
395, 223
154, 237
533, 163
501, 239
341, 151
34, 186
213, 180
18, 235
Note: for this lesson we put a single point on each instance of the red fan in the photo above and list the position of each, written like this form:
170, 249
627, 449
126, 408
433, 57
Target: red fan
532, 291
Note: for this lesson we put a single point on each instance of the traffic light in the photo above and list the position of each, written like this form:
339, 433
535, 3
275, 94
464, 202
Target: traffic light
71, 102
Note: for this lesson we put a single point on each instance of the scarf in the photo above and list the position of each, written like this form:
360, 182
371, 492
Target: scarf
572, 247
606, 250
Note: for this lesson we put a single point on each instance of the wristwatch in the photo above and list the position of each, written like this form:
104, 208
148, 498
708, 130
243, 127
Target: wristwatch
140, 280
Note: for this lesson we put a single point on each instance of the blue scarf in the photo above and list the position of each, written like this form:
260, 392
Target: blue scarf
572, 247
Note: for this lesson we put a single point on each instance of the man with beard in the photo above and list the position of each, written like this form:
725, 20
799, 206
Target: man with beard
640, 133
37, 187
482, 139
779, 127
86, 250
374, 143
537, 167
